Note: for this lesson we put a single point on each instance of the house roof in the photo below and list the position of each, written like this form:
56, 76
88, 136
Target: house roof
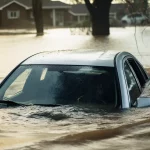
118, 7
79, 9
27, 4
76, 10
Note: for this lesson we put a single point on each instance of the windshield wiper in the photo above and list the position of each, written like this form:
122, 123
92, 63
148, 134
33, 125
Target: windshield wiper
48, 105
10, 103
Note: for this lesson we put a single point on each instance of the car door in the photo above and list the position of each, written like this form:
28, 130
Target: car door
139, 71
133, 19
138, 18
144, 99
136, 79
132, 85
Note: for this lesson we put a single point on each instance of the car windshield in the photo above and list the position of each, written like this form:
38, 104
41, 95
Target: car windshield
52, 84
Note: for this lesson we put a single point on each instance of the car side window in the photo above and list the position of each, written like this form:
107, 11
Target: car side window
133, 87
134, 16
140, 73
138, 15
129, 16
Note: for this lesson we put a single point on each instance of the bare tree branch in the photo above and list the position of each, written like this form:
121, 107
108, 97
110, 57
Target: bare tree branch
89, 6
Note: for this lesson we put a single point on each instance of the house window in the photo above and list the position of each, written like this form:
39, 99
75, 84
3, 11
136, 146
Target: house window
31, 15
13, 14
82, 18
112, 15
59, 18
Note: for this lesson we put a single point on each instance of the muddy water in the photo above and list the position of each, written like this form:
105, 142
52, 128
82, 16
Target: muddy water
73, 127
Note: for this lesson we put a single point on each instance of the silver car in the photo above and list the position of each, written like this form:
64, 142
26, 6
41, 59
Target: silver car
113, 79
134, 18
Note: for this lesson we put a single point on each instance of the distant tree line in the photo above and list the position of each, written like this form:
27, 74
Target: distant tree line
138, 5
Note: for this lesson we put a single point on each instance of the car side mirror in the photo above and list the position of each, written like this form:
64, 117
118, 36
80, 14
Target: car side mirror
143, 102
144, 99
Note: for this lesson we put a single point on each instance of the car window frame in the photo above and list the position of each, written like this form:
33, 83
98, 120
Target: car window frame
140, 69
143, 71
135, 77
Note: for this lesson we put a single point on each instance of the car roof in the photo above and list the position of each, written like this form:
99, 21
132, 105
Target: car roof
92, 58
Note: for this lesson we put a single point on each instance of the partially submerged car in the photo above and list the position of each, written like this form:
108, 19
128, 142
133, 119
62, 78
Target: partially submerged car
109, 78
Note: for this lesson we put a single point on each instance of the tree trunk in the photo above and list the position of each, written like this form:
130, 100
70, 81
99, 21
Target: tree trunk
38, 16
99, 12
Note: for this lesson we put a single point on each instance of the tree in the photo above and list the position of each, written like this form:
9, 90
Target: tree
141, 5
99, 11
38, 16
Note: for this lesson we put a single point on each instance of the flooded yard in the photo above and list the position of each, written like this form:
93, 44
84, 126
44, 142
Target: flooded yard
73, 127
15, 48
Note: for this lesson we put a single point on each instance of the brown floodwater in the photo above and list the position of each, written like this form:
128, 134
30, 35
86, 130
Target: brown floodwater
73, 127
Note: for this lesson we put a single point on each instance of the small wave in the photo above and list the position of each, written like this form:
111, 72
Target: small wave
49, 115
